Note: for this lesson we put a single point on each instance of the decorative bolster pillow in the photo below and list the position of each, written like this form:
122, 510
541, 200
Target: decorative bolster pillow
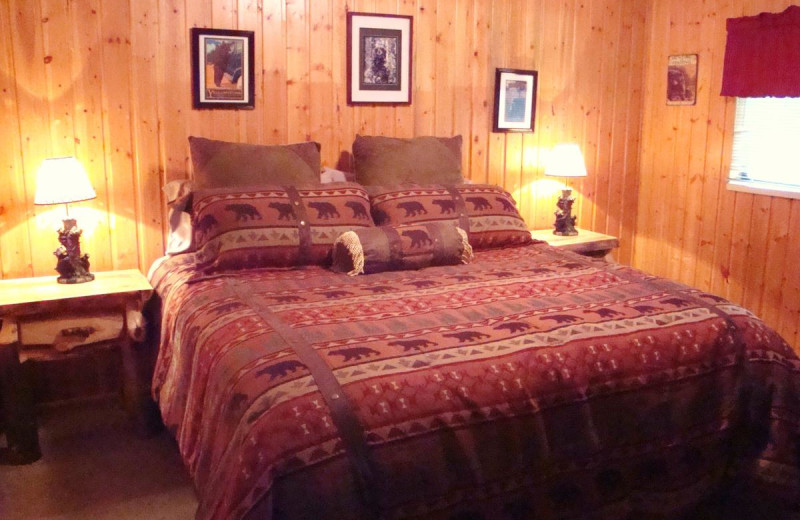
390, 248
274, 226
487, 213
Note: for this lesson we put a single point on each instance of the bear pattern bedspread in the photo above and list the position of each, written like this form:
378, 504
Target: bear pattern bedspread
531, 383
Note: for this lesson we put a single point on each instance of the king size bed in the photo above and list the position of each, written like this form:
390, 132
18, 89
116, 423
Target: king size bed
526, 383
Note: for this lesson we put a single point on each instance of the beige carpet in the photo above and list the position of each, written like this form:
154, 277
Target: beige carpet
94, 467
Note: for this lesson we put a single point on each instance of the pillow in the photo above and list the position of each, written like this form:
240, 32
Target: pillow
178, 195
274, 226
487, 213
421, 160
218, 164
390, 248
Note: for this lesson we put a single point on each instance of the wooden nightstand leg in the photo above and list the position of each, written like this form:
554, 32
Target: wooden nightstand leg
18, 410
141, 408
132, 393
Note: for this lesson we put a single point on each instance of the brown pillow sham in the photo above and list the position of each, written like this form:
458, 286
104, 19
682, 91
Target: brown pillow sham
487, 213
389, 248
274, 226
218, 164
419, 160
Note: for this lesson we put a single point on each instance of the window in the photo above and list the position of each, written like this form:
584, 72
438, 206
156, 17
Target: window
766, 146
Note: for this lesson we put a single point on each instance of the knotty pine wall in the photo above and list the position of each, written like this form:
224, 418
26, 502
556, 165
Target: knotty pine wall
690, 227
108, 81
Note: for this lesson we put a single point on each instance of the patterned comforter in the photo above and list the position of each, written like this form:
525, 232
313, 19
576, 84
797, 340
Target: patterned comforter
532, 383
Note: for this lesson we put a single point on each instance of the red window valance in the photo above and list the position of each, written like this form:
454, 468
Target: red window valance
762, 55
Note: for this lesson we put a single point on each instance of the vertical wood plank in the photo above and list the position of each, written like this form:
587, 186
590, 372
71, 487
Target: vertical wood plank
144, 124
30, 61
425, 68
15, 242
115, 31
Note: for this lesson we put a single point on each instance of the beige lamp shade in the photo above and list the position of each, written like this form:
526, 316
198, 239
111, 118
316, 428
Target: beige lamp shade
566, 160
62, 180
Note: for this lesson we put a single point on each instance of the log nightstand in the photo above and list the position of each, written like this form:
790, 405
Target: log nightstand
42, 320
586, 242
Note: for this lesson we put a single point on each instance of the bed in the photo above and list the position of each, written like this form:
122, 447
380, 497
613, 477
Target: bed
529, 382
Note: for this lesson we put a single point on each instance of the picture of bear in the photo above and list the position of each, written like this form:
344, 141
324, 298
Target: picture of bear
227, 307
445, 206
505, 204
354, 354
604, 312
412, 208
336, 294
419, 238
244, 212
421, 284
284, 209
325, 210
412, 344
359, 210
467, 335
513, 326
479, 203
204, 225
561, 318
280, 369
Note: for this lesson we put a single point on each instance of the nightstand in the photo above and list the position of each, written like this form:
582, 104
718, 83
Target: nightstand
586, 242
42, 320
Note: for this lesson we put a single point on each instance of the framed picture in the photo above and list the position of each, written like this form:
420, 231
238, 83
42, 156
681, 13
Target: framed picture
222, 68
682, 79
514, 100
378, 59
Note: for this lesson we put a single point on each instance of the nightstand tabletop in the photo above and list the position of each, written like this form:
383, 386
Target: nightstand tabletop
584, 241
20, 291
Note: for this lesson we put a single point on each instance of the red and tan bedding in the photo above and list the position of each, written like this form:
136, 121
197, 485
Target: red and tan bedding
530, 383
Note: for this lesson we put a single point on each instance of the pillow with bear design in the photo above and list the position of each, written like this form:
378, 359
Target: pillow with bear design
390, 248
486, 212
274, 226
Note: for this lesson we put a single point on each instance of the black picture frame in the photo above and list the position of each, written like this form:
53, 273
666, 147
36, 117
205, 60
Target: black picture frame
514, 100
222, 74
379, 59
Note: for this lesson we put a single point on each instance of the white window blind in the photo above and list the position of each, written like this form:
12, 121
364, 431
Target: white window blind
766, 144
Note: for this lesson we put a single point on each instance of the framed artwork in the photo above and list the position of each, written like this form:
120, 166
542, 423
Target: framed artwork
222, 68
378, 59
514, 100
682, 79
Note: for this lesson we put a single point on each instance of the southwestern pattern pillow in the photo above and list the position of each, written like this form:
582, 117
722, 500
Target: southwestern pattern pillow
389, 248
274, 226
487, 213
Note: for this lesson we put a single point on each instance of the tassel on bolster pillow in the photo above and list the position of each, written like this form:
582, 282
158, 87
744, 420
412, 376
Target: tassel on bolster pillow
396, 248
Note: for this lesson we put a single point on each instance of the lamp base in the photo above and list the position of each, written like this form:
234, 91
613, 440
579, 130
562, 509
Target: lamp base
88, 277
565, 222
71, 266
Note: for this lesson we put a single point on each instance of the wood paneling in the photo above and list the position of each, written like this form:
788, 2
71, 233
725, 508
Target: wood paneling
690, 227
108, 81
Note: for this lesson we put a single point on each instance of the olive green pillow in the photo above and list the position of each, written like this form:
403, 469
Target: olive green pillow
221, 164
419, 160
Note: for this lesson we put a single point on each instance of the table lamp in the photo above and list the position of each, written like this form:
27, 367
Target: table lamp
565, 160
62, 180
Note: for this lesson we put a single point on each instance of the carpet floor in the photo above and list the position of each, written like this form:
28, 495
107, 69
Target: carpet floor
94, 466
